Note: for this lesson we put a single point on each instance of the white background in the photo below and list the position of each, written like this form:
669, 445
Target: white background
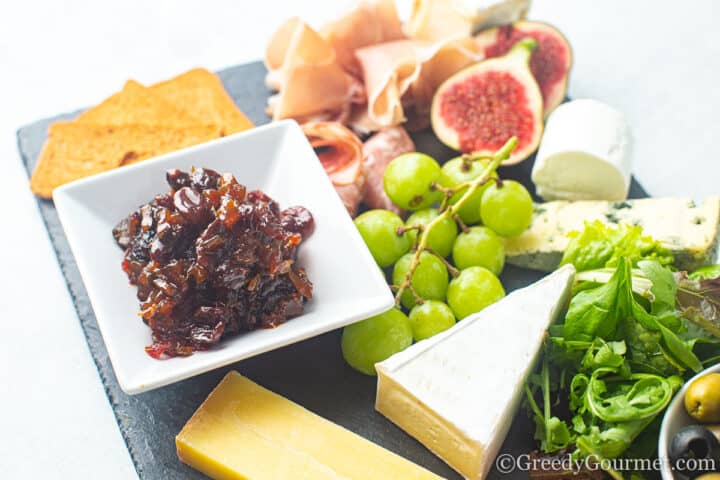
657, 61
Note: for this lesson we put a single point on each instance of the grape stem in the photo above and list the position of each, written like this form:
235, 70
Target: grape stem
451, 268
459, 221
448, 210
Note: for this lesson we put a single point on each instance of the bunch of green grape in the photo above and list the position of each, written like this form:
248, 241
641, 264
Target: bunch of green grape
457, 273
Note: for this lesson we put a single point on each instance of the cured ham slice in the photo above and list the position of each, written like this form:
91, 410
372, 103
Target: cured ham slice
299, 60
369, 23
341, 155
316, 74
360, 70
400, 77
338, 149
379, 150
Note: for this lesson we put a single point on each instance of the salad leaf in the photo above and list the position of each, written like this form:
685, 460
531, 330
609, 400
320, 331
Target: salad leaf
612, 441
626, 340
596, 312
600, 245
698, 300
552, 432
708, 271
646, 352
663, 287
615, 401
679, 350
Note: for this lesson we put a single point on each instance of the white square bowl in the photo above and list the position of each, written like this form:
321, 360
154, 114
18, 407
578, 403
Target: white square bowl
276, 158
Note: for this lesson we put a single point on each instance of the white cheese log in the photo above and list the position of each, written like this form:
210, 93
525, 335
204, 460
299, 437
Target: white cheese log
457, 392
440, 19
585, 154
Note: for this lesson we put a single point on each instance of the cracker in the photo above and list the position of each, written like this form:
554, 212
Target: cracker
76, 150
137, 105
202, 93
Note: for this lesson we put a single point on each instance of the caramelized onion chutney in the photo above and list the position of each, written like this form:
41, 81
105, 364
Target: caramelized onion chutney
210, 259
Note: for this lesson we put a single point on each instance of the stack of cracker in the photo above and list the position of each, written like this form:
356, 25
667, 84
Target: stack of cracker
135, 124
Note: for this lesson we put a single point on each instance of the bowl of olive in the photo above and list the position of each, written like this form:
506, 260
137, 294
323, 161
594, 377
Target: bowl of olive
690, 433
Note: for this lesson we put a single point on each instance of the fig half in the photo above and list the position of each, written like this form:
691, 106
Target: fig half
479, 108
550, 62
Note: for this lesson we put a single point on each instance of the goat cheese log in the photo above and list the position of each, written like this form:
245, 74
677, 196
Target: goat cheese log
585, 154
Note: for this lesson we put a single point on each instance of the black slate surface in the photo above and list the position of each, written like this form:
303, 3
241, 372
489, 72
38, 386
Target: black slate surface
311, 373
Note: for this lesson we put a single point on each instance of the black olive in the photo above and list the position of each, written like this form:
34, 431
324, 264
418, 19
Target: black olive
694, 450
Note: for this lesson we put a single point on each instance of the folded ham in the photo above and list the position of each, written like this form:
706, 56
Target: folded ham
316, 74
401, 77
370, 23
305, 70
341, 155
356, 169
360, 70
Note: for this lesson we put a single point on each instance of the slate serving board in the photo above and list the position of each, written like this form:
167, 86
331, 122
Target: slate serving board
311, 373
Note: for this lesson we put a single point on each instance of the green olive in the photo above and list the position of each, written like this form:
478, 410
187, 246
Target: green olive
702, 399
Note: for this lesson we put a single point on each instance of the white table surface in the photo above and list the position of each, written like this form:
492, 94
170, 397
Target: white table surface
657, 61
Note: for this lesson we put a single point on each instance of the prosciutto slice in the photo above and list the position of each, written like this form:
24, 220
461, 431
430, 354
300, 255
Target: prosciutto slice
315, 73
370, 23
360, 70
305, 70
341, 155
400, 77
379, 150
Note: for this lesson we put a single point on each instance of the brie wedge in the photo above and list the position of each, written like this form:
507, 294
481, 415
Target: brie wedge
687, 228
441, 19
585, 154
457, 392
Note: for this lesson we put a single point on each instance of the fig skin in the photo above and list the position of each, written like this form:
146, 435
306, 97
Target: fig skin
553, 89
456, 130
702, 399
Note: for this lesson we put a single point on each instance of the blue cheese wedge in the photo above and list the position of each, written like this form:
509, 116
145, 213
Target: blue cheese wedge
457, 392
687, 228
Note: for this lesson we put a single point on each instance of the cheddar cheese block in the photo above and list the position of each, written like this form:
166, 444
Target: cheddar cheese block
687, 228
245, 432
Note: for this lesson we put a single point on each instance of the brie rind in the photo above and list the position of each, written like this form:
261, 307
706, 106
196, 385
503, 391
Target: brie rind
585, 154
458, 391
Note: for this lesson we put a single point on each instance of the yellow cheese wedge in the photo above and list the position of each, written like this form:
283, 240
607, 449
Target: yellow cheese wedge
245, 432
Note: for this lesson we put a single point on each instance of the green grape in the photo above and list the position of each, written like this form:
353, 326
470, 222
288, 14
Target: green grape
373, 340
474, 289
455, 173
379, 230
408, 178
430, 279
507, 209
479, 247
430, 318
442, 236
